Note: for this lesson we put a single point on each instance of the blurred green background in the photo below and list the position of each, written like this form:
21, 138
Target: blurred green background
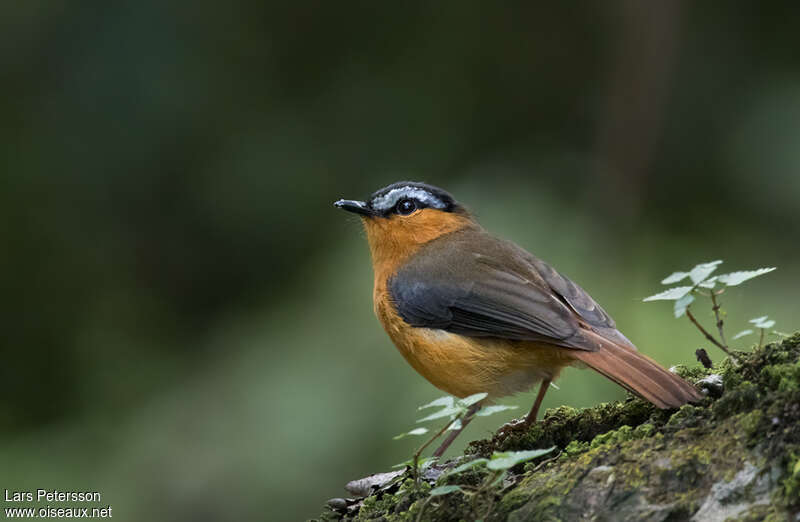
186, 320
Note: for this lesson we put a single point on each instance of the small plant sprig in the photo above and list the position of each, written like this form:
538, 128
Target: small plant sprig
455, 410
763, 323
498, 466
704, 284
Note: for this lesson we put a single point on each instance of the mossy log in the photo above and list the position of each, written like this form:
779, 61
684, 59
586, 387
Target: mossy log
734, 456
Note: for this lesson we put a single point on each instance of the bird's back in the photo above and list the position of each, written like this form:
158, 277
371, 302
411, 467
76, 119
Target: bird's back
474, 313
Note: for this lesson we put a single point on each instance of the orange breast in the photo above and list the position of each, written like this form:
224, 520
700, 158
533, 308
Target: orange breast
462, 365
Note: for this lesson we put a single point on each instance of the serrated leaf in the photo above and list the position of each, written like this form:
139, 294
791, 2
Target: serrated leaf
703, 270
491, 410
737, 278
670, 295
708, 283
763, 322
443, 490
674, 278
472, 399
444, 412
682, 304
509, 459
468, 465
415, 431
441, 401
742, 334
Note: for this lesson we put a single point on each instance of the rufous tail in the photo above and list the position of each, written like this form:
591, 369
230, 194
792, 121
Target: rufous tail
639, 374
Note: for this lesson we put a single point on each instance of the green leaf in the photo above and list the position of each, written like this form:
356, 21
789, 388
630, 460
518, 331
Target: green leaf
509, 459
444, 412
444, 490
763, 322
455, 425
742, 334
703, 270
464, 467
415, 431
708, 283
674, 278
796, 470
737, 278
491, 410
472, 399
499, 480
441, 401
682, 304
670, 295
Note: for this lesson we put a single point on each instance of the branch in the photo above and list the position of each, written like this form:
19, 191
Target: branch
719, 319
709, 336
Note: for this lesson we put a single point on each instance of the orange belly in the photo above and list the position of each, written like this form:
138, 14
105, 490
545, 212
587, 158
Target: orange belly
462, 366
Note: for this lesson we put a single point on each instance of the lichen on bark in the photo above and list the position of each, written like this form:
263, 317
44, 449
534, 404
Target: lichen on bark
733, 456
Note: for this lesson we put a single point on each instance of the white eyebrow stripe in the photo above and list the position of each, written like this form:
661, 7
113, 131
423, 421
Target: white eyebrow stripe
391, 198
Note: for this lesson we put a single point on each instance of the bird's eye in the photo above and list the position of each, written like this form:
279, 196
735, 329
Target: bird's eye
406, 206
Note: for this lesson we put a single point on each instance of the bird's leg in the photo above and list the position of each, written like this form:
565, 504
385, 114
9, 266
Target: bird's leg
531, 418
450, 438
524, 424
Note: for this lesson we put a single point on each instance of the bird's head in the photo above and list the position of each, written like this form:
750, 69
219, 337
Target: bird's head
403, 216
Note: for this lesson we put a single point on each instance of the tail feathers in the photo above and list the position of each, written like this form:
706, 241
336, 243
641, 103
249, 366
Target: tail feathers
639, 374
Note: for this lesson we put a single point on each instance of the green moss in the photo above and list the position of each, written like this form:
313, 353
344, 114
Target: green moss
643, 430
613, 437
735, 399
545, 510
375, 506
750, 422
575, 447
791, 484
783, 377
561, 426
686, 416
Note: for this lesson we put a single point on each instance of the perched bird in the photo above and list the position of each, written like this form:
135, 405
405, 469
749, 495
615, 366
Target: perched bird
473, 313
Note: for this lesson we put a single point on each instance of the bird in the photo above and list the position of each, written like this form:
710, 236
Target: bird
473, 313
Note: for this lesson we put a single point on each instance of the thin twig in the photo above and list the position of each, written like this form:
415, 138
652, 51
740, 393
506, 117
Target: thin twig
428, 443
422, 508
719, 319
709, 336
761, 339
542, 463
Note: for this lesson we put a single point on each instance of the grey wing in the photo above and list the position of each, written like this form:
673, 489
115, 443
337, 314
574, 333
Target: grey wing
580, 302
483, 290
577, 298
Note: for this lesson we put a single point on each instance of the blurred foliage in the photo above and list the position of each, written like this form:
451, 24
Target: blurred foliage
187, 321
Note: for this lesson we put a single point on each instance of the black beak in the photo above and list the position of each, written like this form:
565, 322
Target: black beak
356, 207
